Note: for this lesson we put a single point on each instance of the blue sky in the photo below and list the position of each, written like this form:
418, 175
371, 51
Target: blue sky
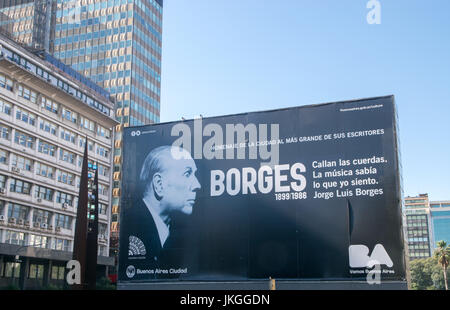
229, 56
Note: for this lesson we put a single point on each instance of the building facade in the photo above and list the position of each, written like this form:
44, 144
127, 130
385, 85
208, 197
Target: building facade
427, 223
117, 44
27, 21
46, 115
440, 221
418, 224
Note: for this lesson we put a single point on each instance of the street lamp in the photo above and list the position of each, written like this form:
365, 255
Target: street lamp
18, 260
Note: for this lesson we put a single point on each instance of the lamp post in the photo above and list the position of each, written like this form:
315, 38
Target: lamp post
18, 260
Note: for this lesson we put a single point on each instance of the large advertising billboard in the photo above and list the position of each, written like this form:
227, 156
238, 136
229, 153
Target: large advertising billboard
308, 192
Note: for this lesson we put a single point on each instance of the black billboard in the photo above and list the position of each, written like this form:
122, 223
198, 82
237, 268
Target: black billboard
308, 192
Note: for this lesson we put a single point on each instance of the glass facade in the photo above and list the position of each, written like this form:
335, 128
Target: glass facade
440, 217
26, 21
117, 44
114, 44
418, 236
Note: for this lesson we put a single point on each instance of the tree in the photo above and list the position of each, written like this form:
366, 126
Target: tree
442, 253
427, 274
421, 270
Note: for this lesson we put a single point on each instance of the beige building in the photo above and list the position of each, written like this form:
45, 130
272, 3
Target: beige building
418, 226
45, 117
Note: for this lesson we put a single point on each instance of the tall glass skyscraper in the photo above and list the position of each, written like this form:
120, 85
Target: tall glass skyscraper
27, 21
114, 43
117, 44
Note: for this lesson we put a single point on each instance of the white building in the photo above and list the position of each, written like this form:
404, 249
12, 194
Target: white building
45, 116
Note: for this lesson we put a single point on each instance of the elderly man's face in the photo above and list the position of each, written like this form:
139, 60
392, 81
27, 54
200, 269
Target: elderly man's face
179, 184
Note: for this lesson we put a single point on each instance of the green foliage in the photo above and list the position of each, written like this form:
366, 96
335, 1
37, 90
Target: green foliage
105, 284
51, 287
442, 253
427, 274
11, 287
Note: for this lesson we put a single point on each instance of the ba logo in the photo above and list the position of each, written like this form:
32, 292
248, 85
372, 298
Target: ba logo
131, 271
359, 256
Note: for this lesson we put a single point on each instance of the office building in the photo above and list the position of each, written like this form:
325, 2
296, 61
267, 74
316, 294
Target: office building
117, 44
46, 114
418, 223
440, 222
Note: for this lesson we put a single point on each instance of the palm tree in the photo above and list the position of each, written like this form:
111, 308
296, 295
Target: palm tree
443, 255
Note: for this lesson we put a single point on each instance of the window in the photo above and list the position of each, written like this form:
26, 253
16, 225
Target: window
12, 270
42, 216
86, 123
17, 211
33, 97
36, 271
38, 241
24, 139
69, 115
67, 135
63, 221
13, 237
102, 152
49, 105
102, 229
102, 189
4, 132
44, 170
26, 93
6, 82
66, 177
67, 156
48, 127
82, 141
64, 198
61, 245
46, 148
2, 183
58, 272
21, 162
19, 186
5, 107
3, 157
44, 193
103, 132
25, 116
102, 208
104, 171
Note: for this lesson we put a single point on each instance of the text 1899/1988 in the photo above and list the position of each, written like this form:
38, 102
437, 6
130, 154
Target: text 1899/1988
291, 196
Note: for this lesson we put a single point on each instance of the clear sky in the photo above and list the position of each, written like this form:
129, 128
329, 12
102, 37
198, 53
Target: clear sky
232, 56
